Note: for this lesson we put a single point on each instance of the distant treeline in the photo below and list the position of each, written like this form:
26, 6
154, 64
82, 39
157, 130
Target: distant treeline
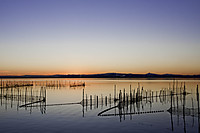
106, 75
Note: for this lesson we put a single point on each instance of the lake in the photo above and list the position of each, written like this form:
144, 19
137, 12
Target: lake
99, 105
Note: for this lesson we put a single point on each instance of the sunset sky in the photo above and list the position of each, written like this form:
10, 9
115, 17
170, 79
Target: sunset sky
96, 36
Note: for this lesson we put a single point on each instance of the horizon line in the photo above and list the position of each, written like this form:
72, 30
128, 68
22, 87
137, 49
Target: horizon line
52, 74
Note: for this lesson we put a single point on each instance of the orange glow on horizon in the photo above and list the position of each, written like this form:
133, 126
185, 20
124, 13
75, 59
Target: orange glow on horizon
8, 73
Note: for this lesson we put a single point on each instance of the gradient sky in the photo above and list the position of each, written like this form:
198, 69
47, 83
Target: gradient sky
95, 36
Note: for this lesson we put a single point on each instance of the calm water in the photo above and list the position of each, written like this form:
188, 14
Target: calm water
65, 110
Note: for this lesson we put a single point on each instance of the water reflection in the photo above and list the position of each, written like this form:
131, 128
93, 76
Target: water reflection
122, 103
23, 97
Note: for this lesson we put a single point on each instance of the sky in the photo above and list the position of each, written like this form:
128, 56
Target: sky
97, 36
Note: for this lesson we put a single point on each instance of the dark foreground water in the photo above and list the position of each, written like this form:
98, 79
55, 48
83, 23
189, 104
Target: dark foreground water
65, 110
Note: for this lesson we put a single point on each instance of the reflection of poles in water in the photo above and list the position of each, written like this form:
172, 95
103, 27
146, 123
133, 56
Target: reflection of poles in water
31, 101
146, 96
184, 91
130, 110
124, 98
97, 101
177, 101
11, 97
18, 99
171, 114
94, 101
90, 102
152, 97
86, 102
134, 99
83, 102
123, 103
45, 102
114, 98
142, 98
156, 96
114, 92
173, 96
101, 101
176, 86
120, 105
25, 96
173, 85
1, 92
41, 96
138, 90
106, 100
6, 98
127, 101
110, 100
177, 109
181, 92
192, 112
184, 94
150, 105
131, 95
197, 91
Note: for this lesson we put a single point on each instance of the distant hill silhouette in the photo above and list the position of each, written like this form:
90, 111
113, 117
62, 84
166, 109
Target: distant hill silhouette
106, 75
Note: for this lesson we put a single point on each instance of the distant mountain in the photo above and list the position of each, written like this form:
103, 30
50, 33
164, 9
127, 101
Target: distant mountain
106, 75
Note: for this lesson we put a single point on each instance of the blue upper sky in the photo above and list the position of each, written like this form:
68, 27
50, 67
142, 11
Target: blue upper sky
92, 36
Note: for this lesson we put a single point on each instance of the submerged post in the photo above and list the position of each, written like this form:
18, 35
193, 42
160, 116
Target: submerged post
45, 94
171, 113
171, 100
106, 100
124, 96
198, 106
86, 101
25, 94
101, 100
110, 100
197, 91
83, 98
127, 99
97, 101
184, 93
90, 102
114, 92
120, 99
130, 95
1, 92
